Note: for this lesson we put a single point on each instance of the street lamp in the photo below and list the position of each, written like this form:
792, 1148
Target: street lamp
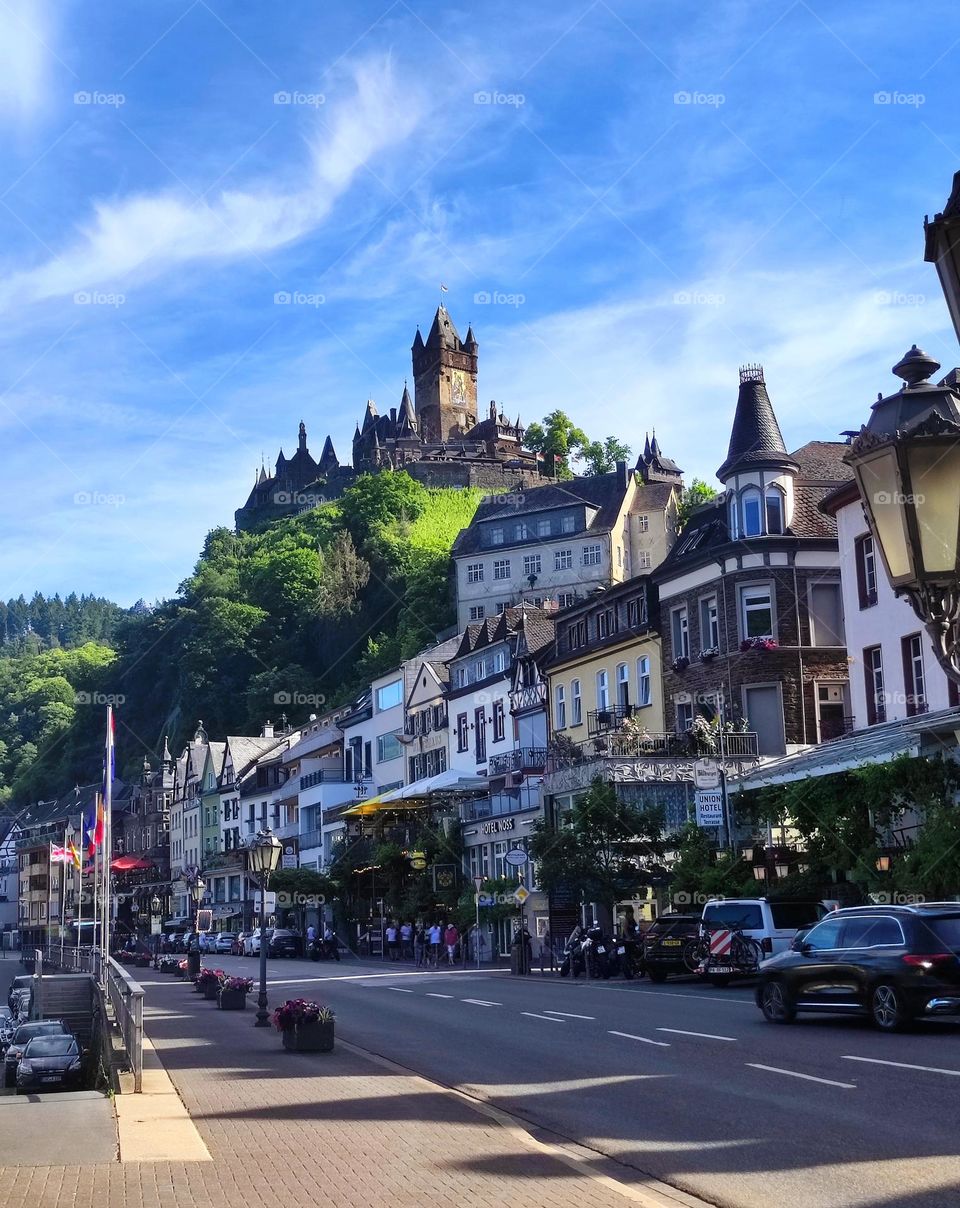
760, 872
883, 863
263, 856
906, 460
197, 888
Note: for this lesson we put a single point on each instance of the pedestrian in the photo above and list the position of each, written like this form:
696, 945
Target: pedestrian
435, 937
330, 943
420, 945
393, 940
406, 940
451, 937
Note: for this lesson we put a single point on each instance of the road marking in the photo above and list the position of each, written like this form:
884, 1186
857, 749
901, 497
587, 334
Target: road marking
772, 1069
432, 995
702, 1035
661, 1044
398, 989
902, 1065
568, 1014
534, 1015
480, 1002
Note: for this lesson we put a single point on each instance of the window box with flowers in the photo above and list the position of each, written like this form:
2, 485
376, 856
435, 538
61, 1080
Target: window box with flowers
306, 1027
233, 993
758, 644
681, 664
707, 655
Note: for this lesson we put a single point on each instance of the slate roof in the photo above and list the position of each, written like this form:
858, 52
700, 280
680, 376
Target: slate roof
755, 437
246, 751
537, 624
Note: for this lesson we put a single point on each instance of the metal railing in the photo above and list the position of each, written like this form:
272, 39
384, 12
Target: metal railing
321, 777
523, 759
663, 746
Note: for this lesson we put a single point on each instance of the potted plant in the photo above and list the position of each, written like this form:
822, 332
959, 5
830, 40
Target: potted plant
758, 644
681, 664
233, 993
169, 964
208, 983
181, 968
306, 1027
707, 655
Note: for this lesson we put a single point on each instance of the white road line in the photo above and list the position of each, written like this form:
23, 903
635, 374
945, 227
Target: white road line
661, 1044
398, 989
568, 1014
702, 1035
430, 994
772, 1069
902, 1065
480, 1002
534, 1015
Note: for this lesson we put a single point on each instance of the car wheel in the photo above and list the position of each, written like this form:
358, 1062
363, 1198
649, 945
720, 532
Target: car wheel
776, 1004
887, 1008
657, 975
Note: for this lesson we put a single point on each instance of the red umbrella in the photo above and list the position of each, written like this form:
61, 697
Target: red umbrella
130, 864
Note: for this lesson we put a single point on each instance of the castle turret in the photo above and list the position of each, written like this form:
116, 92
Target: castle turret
445, 381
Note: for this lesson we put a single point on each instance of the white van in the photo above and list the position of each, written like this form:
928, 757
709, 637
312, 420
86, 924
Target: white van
772, 922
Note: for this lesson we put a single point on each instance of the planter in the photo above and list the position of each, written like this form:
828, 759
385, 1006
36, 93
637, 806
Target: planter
211, 990
233, 1000
143, 962
309, 1037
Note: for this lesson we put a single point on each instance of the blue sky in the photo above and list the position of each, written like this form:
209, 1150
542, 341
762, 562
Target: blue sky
651, 194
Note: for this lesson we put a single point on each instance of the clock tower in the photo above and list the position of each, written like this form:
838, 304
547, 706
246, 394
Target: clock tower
445, 381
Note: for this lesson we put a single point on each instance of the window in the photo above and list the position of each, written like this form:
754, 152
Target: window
388, 747
520, 531
567, 524
619, 556
876, 698
474, 572
480, 732
637, 612
501, 568
543, 528
868, 931
495, 536
684, 716
756, 612
460, 677
477, 612
913, 679
709, 624
462, 732
680, 633
478, 670
389, 695
750, 503
563, 559
774, 510
559, 708
732, 524
502, 606
592, 555
623, 686
532, 564
866, 562
644, 696
606, 623
826, 615
566, 599
825, 937
643, 560
499, 728
740, 916
576, 708
643, 524
603, 691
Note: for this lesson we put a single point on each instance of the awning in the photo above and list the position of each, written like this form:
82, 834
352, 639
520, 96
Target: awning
130, 864
370, 806
445, 784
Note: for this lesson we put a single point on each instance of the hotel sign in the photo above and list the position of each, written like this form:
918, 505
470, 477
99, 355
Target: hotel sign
498, 825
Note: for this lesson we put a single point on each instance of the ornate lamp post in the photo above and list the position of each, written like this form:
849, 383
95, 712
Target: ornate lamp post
906, 460
155, 907
197, 889
263, 857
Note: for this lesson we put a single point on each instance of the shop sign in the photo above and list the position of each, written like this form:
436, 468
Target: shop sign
498, 825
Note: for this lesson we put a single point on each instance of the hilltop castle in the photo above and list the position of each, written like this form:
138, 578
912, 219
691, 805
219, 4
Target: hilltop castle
437, 437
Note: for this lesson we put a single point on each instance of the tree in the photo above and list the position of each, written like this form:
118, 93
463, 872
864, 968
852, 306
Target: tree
605, 850
302, 881
558, 439
601, 457
697, 493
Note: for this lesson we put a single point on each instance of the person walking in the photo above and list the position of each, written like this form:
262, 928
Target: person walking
393, 940
420, 945
406, 940
451, 937
436, 935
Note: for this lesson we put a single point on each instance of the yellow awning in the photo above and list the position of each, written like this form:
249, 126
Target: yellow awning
363, 808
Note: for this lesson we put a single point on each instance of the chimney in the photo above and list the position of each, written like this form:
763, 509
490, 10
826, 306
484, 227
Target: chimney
622, 475
267, 730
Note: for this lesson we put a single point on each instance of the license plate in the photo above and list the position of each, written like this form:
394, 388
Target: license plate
721, 969
670, 943
50, 1078
621, 951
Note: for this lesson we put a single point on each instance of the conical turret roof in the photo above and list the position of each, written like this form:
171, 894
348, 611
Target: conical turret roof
755, 438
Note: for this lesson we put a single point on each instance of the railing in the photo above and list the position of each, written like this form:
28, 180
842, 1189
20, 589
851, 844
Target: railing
663, 746
599, 721
530, 696
523, 759
126, 998
321, 777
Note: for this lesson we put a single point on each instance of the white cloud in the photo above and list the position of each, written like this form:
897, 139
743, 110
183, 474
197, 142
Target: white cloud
26, 58
144, 236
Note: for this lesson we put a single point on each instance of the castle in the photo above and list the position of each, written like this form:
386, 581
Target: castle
437, 437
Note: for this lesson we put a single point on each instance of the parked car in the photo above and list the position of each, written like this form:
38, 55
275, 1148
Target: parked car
284, 942
208, 941
23, 981
251, 942
238, 942
893, 964
223, 942
771, 922
665, 942
24, 1033
50, 1063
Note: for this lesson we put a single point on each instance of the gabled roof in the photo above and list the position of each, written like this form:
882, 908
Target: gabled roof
245, 751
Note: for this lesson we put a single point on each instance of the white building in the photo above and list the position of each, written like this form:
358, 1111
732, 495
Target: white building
315, 768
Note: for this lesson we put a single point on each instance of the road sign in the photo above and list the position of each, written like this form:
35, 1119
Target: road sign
721, 942
517, 857
709, 807
521, 894
706, 774
478, 883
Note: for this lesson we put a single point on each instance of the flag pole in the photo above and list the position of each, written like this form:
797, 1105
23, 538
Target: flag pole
108, 831
79, 916
49, 879
63, 899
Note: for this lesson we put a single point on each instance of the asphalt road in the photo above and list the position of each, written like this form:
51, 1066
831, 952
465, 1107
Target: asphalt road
682, 1082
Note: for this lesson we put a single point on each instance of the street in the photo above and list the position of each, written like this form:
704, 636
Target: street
680, 1082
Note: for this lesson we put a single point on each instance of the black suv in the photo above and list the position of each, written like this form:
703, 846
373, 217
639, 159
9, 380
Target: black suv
284, 943
891, 963
665, 942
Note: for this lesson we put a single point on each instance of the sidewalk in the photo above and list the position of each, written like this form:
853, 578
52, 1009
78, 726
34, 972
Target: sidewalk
288, 1129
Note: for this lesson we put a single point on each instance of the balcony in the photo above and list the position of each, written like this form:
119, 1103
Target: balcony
530, 696
523, 759
600, 721
324, 776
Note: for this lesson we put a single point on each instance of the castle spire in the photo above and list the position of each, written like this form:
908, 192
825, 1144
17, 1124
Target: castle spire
302, 438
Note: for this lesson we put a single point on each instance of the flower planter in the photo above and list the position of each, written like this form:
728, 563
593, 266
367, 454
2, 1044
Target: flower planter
309, 1037
233, 1000
211, 990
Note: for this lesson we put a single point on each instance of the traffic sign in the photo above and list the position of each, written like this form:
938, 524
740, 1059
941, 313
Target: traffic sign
521, 894
517, 857
709, 807
478, 883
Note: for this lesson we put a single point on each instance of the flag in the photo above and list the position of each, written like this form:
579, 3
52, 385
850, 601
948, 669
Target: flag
59, 855
90, 832
96, 835
109, 756
443, 288
73, 854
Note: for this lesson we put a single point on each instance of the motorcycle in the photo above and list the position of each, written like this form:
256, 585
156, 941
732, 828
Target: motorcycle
322, 949
573, 956
597, 952
625, 958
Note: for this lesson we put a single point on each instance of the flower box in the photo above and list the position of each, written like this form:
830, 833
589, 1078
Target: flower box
232, 1000
315, 1037
210, 989
681, 664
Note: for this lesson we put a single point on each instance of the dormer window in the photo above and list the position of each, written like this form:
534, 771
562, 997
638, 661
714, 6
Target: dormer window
756, 513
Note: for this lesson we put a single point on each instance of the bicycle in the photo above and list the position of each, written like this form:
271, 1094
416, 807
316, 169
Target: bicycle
741, 960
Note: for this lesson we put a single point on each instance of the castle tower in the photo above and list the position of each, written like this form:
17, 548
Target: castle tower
445, 381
